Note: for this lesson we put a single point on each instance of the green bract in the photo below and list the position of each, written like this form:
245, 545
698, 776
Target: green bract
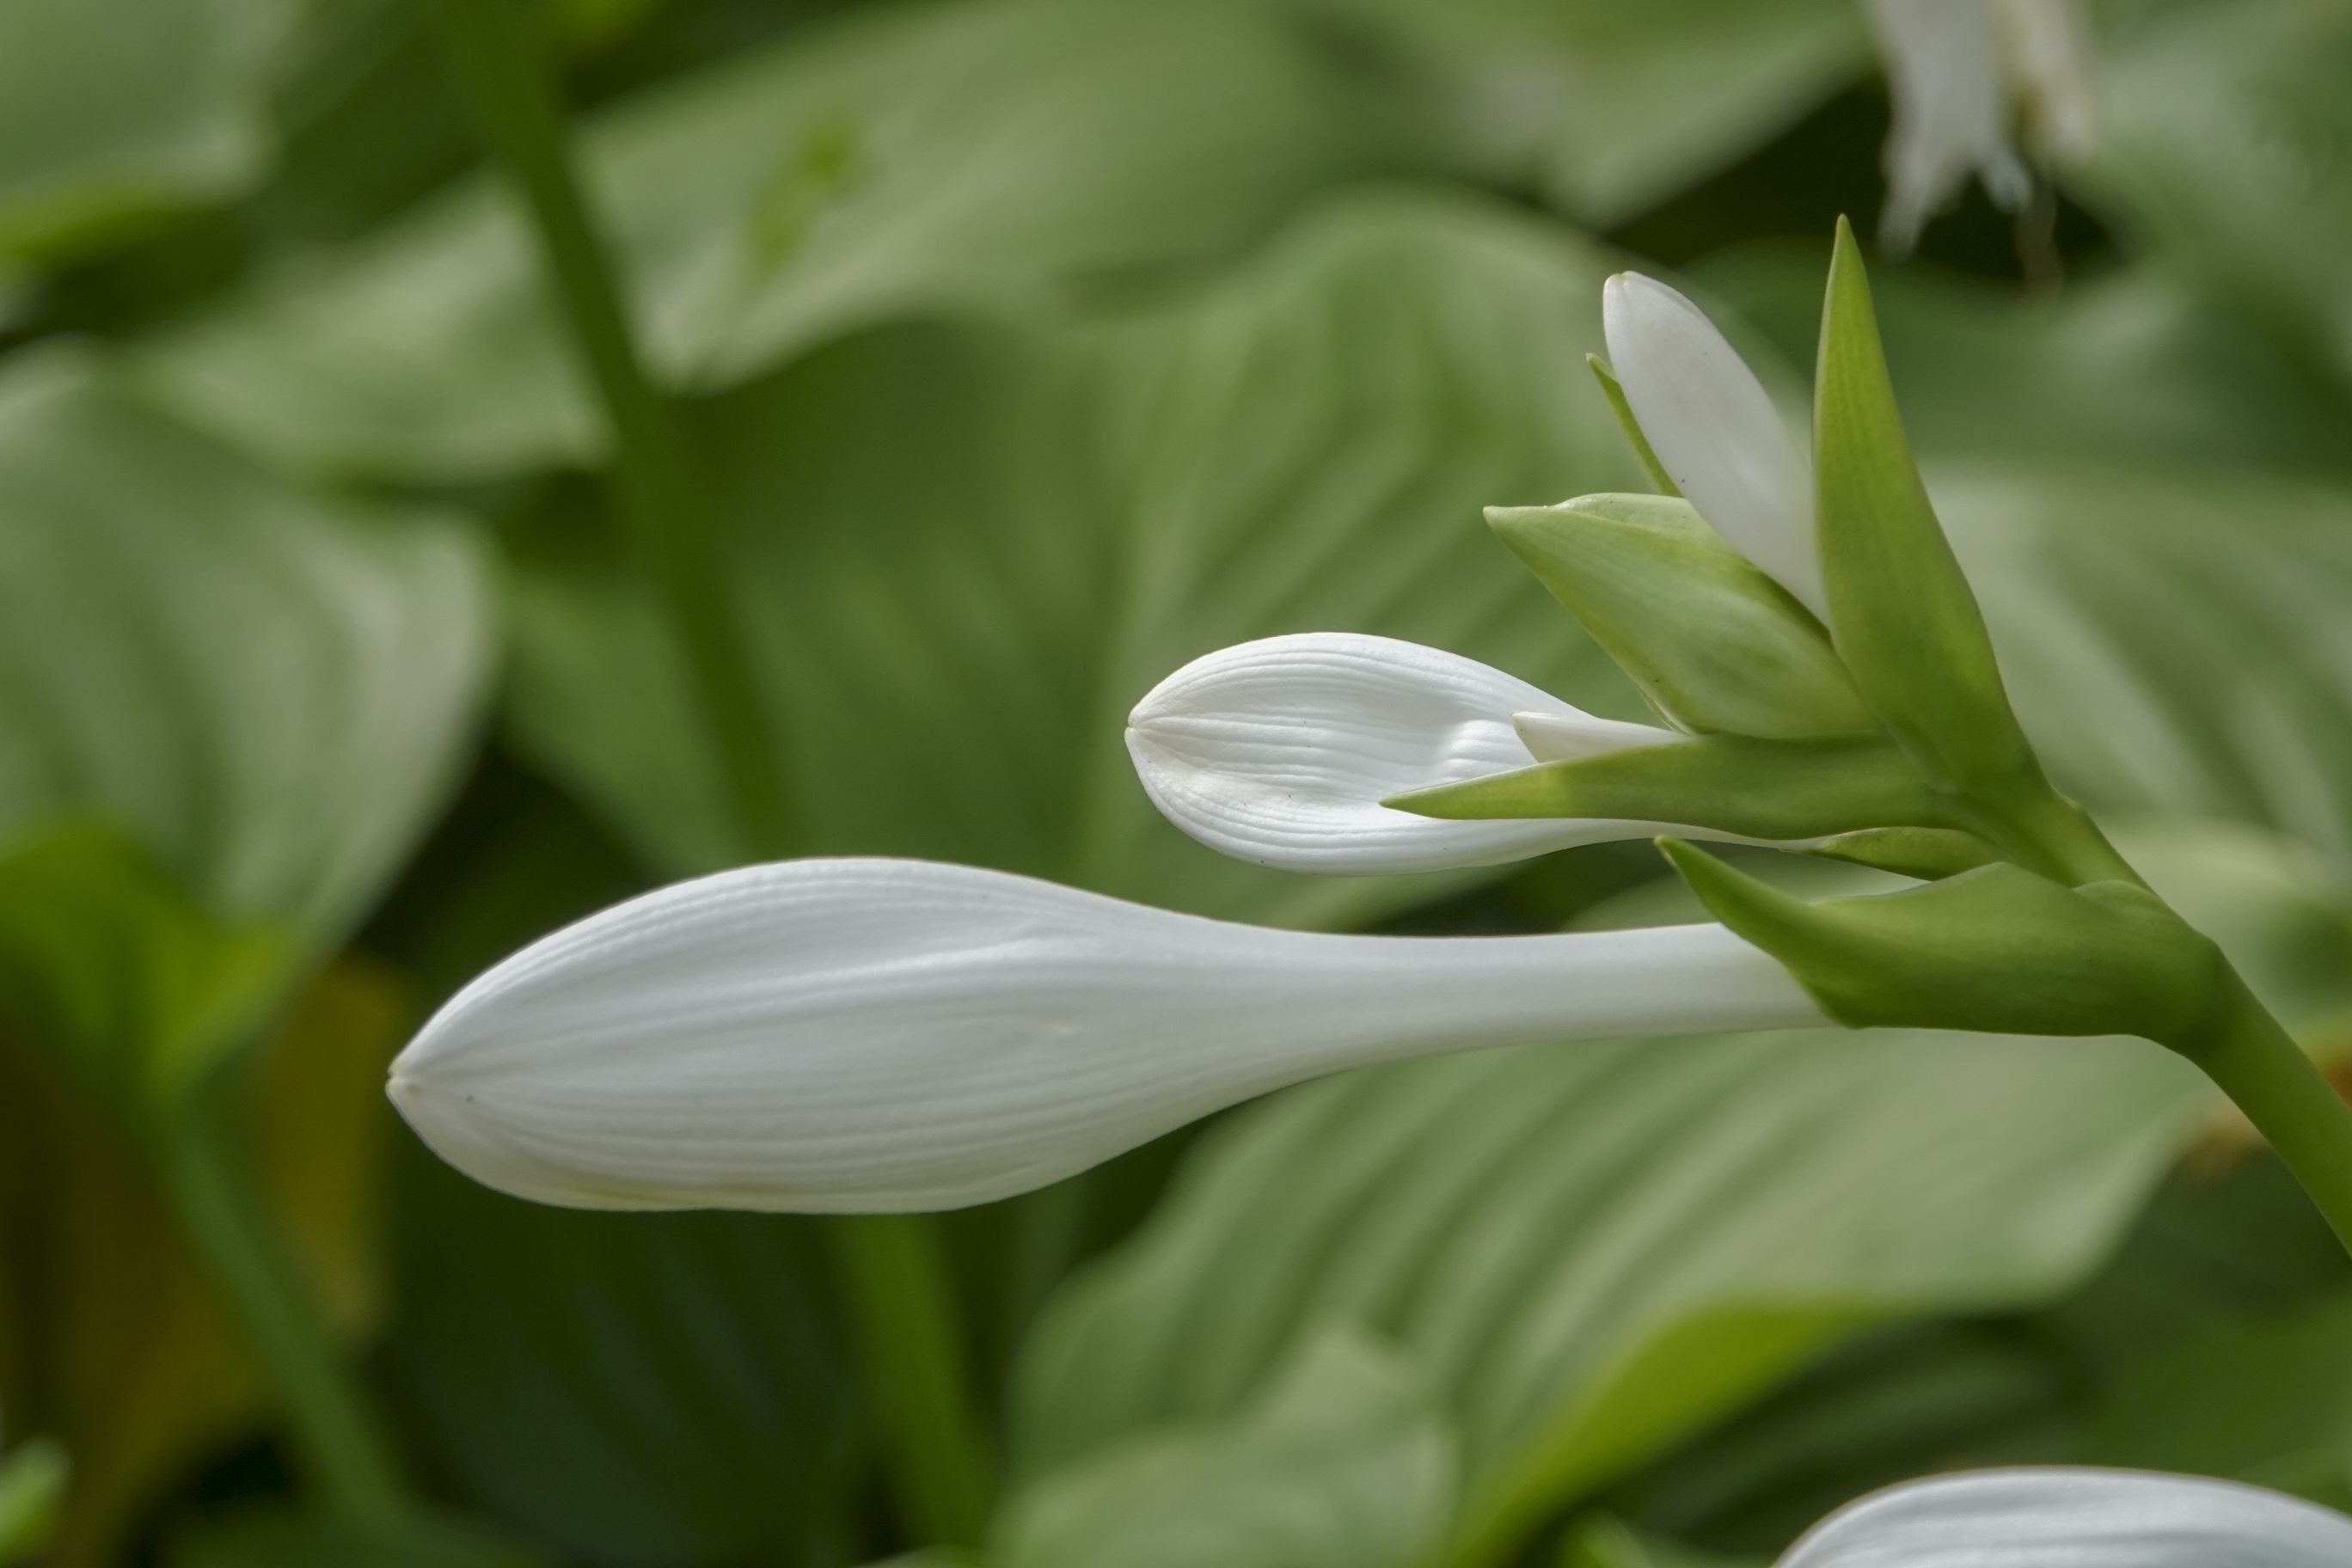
1714, 644
1901, 612
1997, 950
1731, 783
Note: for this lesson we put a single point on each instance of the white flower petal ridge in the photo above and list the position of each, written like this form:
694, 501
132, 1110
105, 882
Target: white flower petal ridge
1280, 752
1714, 429
847, 1035
2075, 1518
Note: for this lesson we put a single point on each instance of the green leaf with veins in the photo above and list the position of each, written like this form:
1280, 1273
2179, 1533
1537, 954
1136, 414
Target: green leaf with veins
1015, 155
1598, 1250
964, 553
1344, 1461
268, 687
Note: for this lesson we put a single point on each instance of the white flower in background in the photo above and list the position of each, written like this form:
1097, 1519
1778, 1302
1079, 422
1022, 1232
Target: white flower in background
1963, 73
1714, 430
1280, 752
2069, 1518
846, 1035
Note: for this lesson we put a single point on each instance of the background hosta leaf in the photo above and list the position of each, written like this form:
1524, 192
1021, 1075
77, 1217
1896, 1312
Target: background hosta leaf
2222, 139
884, 164
965, 553
2168, 638
1608, 107
1344, 1461
110, 109
1597, 1251
119, 1347
638, 1389
104, 964
269, 688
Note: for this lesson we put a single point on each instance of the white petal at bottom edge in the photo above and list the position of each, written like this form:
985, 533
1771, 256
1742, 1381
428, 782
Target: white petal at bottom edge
1280, 752
880, 1034
2075, 1518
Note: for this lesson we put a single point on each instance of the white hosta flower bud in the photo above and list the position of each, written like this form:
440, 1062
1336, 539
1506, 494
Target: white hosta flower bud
1280, 752
846, 1035
1714, 430
2075, 1518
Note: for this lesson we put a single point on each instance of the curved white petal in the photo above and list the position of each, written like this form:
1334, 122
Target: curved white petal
1714, 429
854, 1036
2072, 1518
1280, 752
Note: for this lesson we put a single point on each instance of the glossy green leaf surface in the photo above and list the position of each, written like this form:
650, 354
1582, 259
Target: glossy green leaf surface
1344, 1461
1596, 1251
964, 556
114, 110
872, 168
268, 688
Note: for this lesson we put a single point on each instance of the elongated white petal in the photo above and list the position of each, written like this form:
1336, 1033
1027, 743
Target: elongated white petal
1714, 429
2070, 1518
875, 1035
1951, 112
1280, 752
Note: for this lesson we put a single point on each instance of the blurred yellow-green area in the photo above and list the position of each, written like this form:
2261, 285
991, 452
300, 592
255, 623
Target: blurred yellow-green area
1027, 349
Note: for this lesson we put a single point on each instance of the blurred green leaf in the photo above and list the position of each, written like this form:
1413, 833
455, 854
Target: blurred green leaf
631, 1390
117, 1343
134, 991
32, 1483
1599, 1250
1343, 1461
2265, 1400
1605, 1542
289, 1538
2168, 637
1608, 106
269, 688
1014, 152
2222, 139
2133, 364
114, 110
963, 554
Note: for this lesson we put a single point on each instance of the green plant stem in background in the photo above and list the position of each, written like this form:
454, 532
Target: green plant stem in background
892, 1268
501, 63
337, 1436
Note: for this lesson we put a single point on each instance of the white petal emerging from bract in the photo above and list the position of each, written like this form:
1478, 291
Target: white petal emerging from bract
1280, 752
2068, 1518
875, 1035
1714, 429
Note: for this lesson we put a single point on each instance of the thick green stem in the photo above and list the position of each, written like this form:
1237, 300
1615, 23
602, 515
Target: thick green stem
2258, 1066
337, 1437
895, 1270
891, 1266
502, 65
